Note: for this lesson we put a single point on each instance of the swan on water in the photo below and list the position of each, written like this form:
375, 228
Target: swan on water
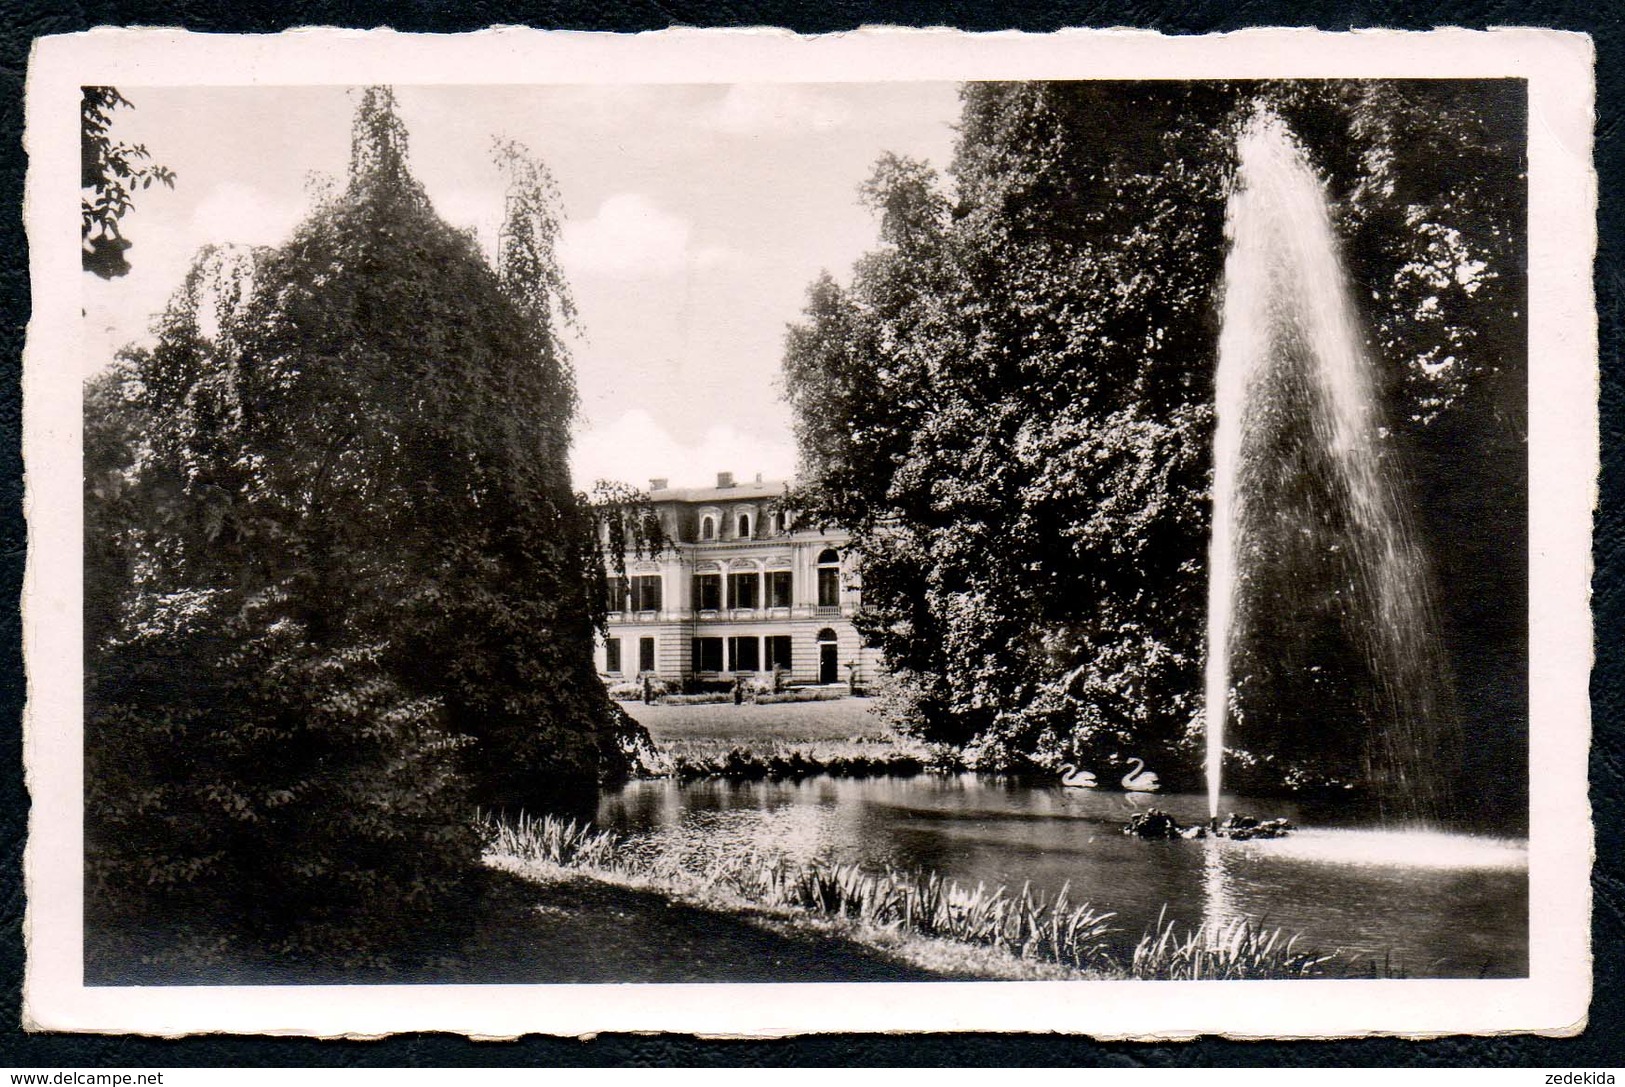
1077, 779
1139, 779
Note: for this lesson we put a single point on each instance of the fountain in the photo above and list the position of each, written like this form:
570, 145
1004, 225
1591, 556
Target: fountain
1318, 593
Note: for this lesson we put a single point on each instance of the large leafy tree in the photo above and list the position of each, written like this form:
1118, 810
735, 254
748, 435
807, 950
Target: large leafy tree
1011, 401
338, 587
1027, 408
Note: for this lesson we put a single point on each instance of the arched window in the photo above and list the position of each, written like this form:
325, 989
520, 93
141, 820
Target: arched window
744, 526
708, 527
829, 579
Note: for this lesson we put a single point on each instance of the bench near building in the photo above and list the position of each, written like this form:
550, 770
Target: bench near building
740, 590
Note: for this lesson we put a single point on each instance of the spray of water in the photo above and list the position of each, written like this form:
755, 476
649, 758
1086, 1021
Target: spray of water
1294, 375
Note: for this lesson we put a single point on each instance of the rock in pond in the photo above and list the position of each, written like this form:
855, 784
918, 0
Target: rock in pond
1156, 825
1244, 827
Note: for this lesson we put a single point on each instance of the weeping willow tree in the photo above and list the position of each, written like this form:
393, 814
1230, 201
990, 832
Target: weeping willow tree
339, 592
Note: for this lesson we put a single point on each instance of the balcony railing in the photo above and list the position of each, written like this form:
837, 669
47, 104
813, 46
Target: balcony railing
741, 615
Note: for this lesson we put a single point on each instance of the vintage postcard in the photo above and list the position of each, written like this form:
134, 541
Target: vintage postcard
742, 534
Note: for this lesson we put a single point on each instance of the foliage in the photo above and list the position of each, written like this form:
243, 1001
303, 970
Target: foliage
108, 176
1428, 178
625, 524
1010, 403
336, 590
1008, 408
779, 761
1236, 950
550, 840
768, 698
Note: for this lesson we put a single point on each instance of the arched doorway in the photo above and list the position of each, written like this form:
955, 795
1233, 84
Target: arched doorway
829, 657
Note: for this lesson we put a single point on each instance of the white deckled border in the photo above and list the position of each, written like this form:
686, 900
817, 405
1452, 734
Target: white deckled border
1563, 453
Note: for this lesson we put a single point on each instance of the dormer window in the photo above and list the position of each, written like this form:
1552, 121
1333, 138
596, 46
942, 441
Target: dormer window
744, 526
708, 528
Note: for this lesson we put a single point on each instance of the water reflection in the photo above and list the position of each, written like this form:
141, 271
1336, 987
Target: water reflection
1218, 909
1440, 905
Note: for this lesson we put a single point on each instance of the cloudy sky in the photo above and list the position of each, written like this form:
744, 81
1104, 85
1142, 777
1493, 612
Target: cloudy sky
695, 217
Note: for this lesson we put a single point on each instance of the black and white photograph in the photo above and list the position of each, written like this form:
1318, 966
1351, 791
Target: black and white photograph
625, 547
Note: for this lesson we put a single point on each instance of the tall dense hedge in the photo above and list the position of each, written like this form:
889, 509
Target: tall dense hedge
338, 589
1011, 401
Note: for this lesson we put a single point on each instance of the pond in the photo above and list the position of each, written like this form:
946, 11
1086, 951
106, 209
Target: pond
1417, 903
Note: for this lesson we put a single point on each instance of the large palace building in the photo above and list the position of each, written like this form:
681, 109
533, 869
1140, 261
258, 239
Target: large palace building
740, 591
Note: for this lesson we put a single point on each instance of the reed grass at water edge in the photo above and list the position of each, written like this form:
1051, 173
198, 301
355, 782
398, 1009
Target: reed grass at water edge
1029, 925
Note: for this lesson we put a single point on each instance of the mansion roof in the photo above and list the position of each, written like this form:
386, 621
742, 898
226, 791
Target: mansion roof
725, 491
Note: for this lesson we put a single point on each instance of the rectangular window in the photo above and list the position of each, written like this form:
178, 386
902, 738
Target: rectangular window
708, 654
778, 589
778, 652
829, 587
744, 590
708, 591
744, 655
646, 654
612, 655
646, 592
616, 596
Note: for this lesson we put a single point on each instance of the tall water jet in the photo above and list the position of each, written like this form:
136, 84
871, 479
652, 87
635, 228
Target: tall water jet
1320, 620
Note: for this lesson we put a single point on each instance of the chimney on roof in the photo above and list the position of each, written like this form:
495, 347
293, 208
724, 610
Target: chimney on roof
725, 479
658, 483
758, 477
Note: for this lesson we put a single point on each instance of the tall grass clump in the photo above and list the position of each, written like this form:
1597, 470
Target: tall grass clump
1230, 951
550, 840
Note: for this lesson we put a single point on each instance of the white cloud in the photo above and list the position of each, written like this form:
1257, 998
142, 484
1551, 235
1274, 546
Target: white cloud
629, 237
633, 448
754, 109
235, 212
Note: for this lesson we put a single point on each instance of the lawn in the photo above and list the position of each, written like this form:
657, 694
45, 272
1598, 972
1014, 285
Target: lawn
516, 931
841, 736
782, 722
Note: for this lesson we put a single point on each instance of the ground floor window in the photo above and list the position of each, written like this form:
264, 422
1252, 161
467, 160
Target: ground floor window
612, 655
708, 654
778, 652
646, 654
744, 655
778, 589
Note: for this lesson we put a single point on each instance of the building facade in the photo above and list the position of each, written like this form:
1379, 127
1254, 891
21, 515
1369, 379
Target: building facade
740, 591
